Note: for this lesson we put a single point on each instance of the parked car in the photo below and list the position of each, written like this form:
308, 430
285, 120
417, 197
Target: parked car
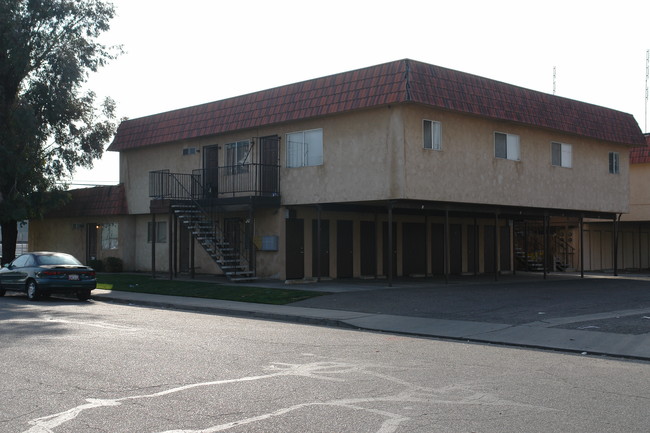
43, 273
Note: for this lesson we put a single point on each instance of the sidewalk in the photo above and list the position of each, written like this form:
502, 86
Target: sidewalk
597, 315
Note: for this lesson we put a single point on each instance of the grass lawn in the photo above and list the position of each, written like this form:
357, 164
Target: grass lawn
200, 289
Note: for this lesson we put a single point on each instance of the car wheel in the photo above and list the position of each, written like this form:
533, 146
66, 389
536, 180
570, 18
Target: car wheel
32, 290
2, 292
83, 295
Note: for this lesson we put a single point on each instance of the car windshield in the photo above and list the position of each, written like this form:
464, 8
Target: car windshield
57, 259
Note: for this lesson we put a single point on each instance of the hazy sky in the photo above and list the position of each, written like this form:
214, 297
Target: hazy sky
183, 53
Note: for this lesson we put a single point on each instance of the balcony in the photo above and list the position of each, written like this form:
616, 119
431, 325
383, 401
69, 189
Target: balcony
227, 183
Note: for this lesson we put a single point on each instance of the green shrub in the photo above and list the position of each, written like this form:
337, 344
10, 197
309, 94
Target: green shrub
113, 264
97, 265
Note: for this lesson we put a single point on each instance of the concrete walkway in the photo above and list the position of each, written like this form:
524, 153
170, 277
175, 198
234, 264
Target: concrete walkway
597, 315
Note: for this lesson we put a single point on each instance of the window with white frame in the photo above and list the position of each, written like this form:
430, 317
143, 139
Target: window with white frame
561, 154
614, 163
161, 232
305, 148
431, 134
109, 236
506, 146
237, 156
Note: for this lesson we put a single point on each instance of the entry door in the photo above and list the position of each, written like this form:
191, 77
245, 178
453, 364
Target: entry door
91, 242
184, 240
505, 256
414, 247
489, 260
269, 160
344, 254
295, 248
232, 233
368, 256
324, 253
455, 248
472, 234
211, 171
393, 255
437, 249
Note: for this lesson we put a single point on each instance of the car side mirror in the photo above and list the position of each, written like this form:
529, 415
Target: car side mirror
6, 265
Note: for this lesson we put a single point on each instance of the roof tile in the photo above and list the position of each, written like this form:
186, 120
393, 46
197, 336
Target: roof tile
394, 82
96, 201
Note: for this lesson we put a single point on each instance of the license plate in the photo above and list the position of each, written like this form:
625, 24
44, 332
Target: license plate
73, 277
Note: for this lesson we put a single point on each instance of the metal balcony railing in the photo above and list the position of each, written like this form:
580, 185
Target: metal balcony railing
220, 182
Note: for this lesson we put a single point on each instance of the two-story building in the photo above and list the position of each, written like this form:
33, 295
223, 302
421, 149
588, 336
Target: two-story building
399, 169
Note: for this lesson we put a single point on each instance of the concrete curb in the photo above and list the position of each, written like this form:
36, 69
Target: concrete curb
538, 335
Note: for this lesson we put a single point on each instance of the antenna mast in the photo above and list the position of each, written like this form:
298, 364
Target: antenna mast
554, 83
647, 75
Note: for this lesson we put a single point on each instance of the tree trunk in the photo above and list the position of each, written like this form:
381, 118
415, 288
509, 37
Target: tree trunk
9, 238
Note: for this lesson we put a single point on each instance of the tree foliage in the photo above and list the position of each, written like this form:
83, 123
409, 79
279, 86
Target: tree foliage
49, 124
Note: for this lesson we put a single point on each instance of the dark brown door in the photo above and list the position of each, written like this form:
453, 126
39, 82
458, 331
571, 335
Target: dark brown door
91, 241
385, 249
437, 249
232, 233
368, 248
471, 248
295, 248
211, 171
414, 247
504, 254
184, 240
489, 259
324, 254
344, 254
269, 160
455, 248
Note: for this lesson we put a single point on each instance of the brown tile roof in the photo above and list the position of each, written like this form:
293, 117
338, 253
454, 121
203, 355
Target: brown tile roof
641, 154
96, 201
389, 83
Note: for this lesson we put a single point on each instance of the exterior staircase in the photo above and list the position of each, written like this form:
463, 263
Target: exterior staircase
230, 257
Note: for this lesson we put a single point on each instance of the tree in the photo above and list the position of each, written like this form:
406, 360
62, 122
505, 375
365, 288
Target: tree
49, 124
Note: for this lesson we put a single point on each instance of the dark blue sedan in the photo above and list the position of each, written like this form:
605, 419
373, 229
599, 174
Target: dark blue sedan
43, 273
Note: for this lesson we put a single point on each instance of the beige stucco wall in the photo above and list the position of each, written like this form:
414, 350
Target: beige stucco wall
639, 193
378, 155
68, 235
143, 249
466, 170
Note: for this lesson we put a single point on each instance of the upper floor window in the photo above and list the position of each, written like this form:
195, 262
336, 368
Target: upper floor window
506, 146
613, 163
431, 134
305, 148
236, 155
561, 154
